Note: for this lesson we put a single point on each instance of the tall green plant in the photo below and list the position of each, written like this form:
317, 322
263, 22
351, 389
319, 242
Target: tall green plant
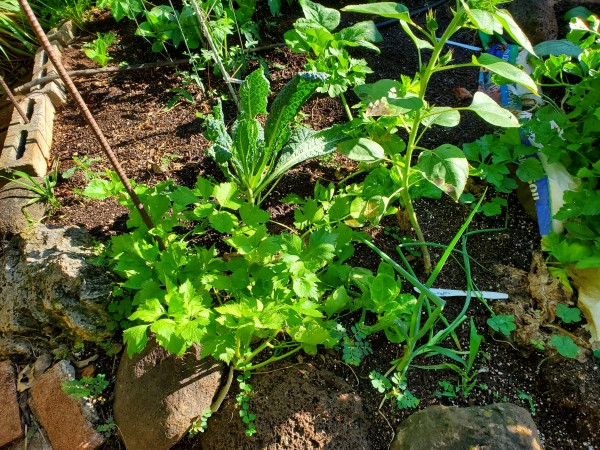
389, 105
255, 158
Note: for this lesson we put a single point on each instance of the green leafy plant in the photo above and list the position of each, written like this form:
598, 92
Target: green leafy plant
44, 189
326, 50
242, 400
200, 425
564, 345
529, 398
255, 158
568, 133
86, 387
424, 328
388, 106
82, 164
502, 324
568, 315
57, 11
354, 347
107, 427
97, 50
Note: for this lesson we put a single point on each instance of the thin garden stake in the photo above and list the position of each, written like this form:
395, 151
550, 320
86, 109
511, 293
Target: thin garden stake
13, 100
90, 72
206, 32
87, 114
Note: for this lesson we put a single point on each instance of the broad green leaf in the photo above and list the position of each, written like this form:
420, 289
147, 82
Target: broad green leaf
135, 339
223, 221
221, 347
337, 301
565, 346
253, 94
513, 29
192, 331
286, 105
442, 116
360, 34
149, 311
306, 286
579, 11
328, 17
530, 169
302, 145
226, 195
362, 149
383, 9
384, 290
491, 112
215, 131
252, 215
557, 48
568, 315
503, 324
485, 21
447, 168
505, 70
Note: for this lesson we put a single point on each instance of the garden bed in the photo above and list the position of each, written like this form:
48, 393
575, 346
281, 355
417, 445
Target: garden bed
153, 145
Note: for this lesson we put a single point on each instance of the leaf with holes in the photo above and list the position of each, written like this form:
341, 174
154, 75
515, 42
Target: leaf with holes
447, 168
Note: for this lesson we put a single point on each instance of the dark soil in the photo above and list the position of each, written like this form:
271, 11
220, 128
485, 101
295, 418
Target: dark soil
153, 144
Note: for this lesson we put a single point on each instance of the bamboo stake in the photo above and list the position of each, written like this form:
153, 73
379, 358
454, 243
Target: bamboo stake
87, 114
13, 100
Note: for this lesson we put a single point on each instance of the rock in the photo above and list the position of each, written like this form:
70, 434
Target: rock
10, 416
498, 426
13, 212
66, 419
158, 395
48, 288
536, 18
305, 407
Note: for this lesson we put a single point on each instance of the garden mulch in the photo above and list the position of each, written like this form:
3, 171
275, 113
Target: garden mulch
153, 144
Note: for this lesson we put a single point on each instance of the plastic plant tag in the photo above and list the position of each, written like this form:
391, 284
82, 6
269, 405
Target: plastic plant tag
488, 295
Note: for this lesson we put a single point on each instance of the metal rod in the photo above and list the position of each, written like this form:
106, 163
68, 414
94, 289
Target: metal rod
13, 100
87, 114
88, 72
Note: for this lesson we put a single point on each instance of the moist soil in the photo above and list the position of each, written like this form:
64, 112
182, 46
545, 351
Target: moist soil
154, 144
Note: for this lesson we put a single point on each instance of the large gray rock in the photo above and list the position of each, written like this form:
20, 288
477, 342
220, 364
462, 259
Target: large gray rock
68, 421
15, 216
158, 396
536, 18
501, 426
10, 414
49, 289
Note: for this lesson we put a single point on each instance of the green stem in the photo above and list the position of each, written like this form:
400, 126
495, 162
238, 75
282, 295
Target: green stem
414, 131
272, 359
346, 107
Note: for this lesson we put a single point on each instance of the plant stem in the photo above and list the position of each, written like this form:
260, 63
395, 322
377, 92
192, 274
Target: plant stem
411, 144
346, 107
273, 359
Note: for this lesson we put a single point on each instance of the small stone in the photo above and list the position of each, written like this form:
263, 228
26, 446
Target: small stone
66, 419
10, 416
